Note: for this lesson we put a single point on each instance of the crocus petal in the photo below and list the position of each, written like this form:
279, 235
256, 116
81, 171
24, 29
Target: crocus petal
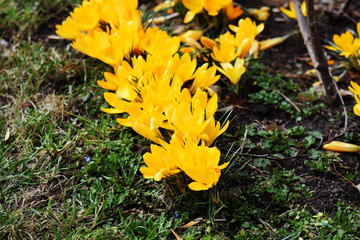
268, 43
107, 85
233, 12
224, 165
207, 42
195, 186
287, 12
115, 102
357, 109
111, 110
189, 16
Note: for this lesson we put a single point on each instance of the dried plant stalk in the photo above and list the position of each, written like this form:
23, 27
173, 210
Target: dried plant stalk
311, 39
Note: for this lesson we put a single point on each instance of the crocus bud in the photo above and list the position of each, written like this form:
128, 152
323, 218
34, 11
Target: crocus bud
337, 146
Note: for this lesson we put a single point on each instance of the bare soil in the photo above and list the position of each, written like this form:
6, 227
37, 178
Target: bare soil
291, 59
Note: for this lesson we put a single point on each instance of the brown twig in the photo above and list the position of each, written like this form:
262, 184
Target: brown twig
244, 142
288, 100
339, 174
271, 157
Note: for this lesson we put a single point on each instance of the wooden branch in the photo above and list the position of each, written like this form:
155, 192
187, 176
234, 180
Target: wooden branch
312, 42
311, 39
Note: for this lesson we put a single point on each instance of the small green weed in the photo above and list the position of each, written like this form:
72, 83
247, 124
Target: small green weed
275, 91
321, 161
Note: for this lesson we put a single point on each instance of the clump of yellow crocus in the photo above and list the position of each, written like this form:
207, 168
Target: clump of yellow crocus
148, 82
111, 44
199, 162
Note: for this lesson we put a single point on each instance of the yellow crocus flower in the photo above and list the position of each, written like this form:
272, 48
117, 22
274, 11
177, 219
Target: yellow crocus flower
164, 5
214, 6
194, 7
233, 12
86, 44
355, 89
158, 164
84, 18
162, 94
200, 99
193, 43
291, 11
200, 163
68, 29
245, 34
110, 48
233, 72
192, 117
204, 77
212, 131
187, 50
261, 14
187, 123
154, 37
111, 11
145, 119
226, 50
141, 124
183, 67
111, 82
87, 16
124, 81
151, 110
346, 43
116, 42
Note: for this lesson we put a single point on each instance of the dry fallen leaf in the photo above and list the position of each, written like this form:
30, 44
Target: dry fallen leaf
344, 92
175, 234
55, 37
7, 134
191, 223
358, 187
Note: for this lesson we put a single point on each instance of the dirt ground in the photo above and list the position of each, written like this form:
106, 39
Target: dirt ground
290, 58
